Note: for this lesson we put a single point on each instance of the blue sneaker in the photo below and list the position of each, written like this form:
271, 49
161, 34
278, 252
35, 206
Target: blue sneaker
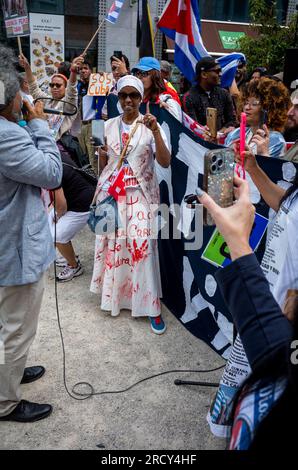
157, 325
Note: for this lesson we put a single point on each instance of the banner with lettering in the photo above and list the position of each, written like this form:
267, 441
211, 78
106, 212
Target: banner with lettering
190, 290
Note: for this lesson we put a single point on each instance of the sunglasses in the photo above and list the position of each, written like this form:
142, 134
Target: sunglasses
218, 71
141, 73
134, 95
55, 85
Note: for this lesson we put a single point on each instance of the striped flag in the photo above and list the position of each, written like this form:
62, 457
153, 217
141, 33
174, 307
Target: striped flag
114, 12
181, 22
145, 35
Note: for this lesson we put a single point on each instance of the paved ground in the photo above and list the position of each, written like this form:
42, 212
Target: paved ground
111, 354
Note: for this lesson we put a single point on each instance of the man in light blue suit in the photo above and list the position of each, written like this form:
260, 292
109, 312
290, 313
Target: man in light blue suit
29, 160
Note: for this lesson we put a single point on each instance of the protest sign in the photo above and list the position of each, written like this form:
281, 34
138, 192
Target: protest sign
46, 46
100, 84
16, 18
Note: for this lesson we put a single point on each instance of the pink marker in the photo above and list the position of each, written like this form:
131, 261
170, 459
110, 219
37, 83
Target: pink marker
242, 140
242, 132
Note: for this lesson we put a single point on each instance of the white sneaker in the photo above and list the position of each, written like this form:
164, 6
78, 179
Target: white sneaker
69, 273
62, 263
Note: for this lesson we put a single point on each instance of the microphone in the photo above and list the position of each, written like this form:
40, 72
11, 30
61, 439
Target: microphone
55, 111
58, 112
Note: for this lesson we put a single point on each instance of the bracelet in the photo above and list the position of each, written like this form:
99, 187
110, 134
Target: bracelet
156, 131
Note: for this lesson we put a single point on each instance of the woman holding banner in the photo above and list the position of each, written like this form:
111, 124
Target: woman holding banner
126, 267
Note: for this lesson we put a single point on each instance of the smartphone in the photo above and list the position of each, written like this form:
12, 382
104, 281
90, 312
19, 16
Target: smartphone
98, 132
118, 54
263, 118
211, 119
218, 178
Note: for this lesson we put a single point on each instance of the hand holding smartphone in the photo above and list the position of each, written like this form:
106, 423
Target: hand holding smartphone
218, 178
218, 181
211, 119
118, 54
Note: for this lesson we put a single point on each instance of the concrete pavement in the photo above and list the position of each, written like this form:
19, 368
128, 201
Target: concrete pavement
111, 354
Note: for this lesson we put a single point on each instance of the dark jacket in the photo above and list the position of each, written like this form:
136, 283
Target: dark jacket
258, 318
266, 336
196, 101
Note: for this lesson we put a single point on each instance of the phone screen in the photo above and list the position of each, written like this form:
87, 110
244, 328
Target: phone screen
98, 132
263, 118
118, 54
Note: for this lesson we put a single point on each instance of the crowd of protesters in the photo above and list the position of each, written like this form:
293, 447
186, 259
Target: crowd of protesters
41, 161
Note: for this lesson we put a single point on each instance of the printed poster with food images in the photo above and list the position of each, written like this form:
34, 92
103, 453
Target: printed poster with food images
46, 46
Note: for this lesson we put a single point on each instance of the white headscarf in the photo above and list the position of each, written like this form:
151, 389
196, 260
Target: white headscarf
131, 80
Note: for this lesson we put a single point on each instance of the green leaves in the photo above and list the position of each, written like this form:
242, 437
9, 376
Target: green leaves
268, 49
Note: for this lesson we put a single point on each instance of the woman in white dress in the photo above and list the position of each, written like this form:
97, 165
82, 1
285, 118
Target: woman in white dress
126, 267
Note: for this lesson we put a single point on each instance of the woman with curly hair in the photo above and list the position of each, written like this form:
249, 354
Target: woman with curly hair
265, 96
156, 88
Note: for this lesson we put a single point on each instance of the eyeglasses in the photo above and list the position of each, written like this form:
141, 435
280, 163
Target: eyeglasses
55, 85
134, 95
141, 73
252, 104
218, 71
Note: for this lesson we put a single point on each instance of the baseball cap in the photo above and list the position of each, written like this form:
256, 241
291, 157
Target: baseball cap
205, 64
147, 63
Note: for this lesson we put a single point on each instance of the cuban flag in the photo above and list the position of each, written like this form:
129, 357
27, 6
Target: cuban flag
181, 22
229, 65
114, 12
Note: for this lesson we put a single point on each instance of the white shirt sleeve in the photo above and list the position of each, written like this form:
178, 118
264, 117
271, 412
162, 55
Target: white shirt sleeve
172, 106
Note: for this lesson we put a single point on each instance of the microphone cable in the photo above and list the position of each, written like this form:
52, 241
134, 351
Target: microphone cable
80, 396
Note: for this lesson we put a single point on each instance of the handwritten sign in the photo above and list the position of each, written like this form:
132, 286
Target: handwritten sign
16, 18
100, 84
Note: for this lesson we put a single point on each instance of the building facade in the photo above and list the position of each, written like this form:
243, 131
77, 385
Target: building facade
80, 22
81, 19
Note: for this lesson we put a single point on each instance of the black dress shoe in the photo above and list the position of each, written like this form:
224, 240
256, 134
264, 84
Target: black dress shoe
32, 373
27, 412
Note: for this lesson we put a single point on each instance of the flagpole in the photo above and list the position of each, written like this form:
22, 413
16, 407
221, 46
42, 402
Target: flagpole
94, 36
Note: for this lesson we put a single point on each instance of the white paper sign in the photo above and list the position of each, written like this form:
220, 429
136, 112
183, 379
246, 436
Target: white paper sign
100, 84
46, 46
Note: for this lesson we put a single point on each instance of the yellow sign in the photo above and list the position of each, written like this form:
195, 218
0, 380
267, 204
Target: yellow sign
100, 84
